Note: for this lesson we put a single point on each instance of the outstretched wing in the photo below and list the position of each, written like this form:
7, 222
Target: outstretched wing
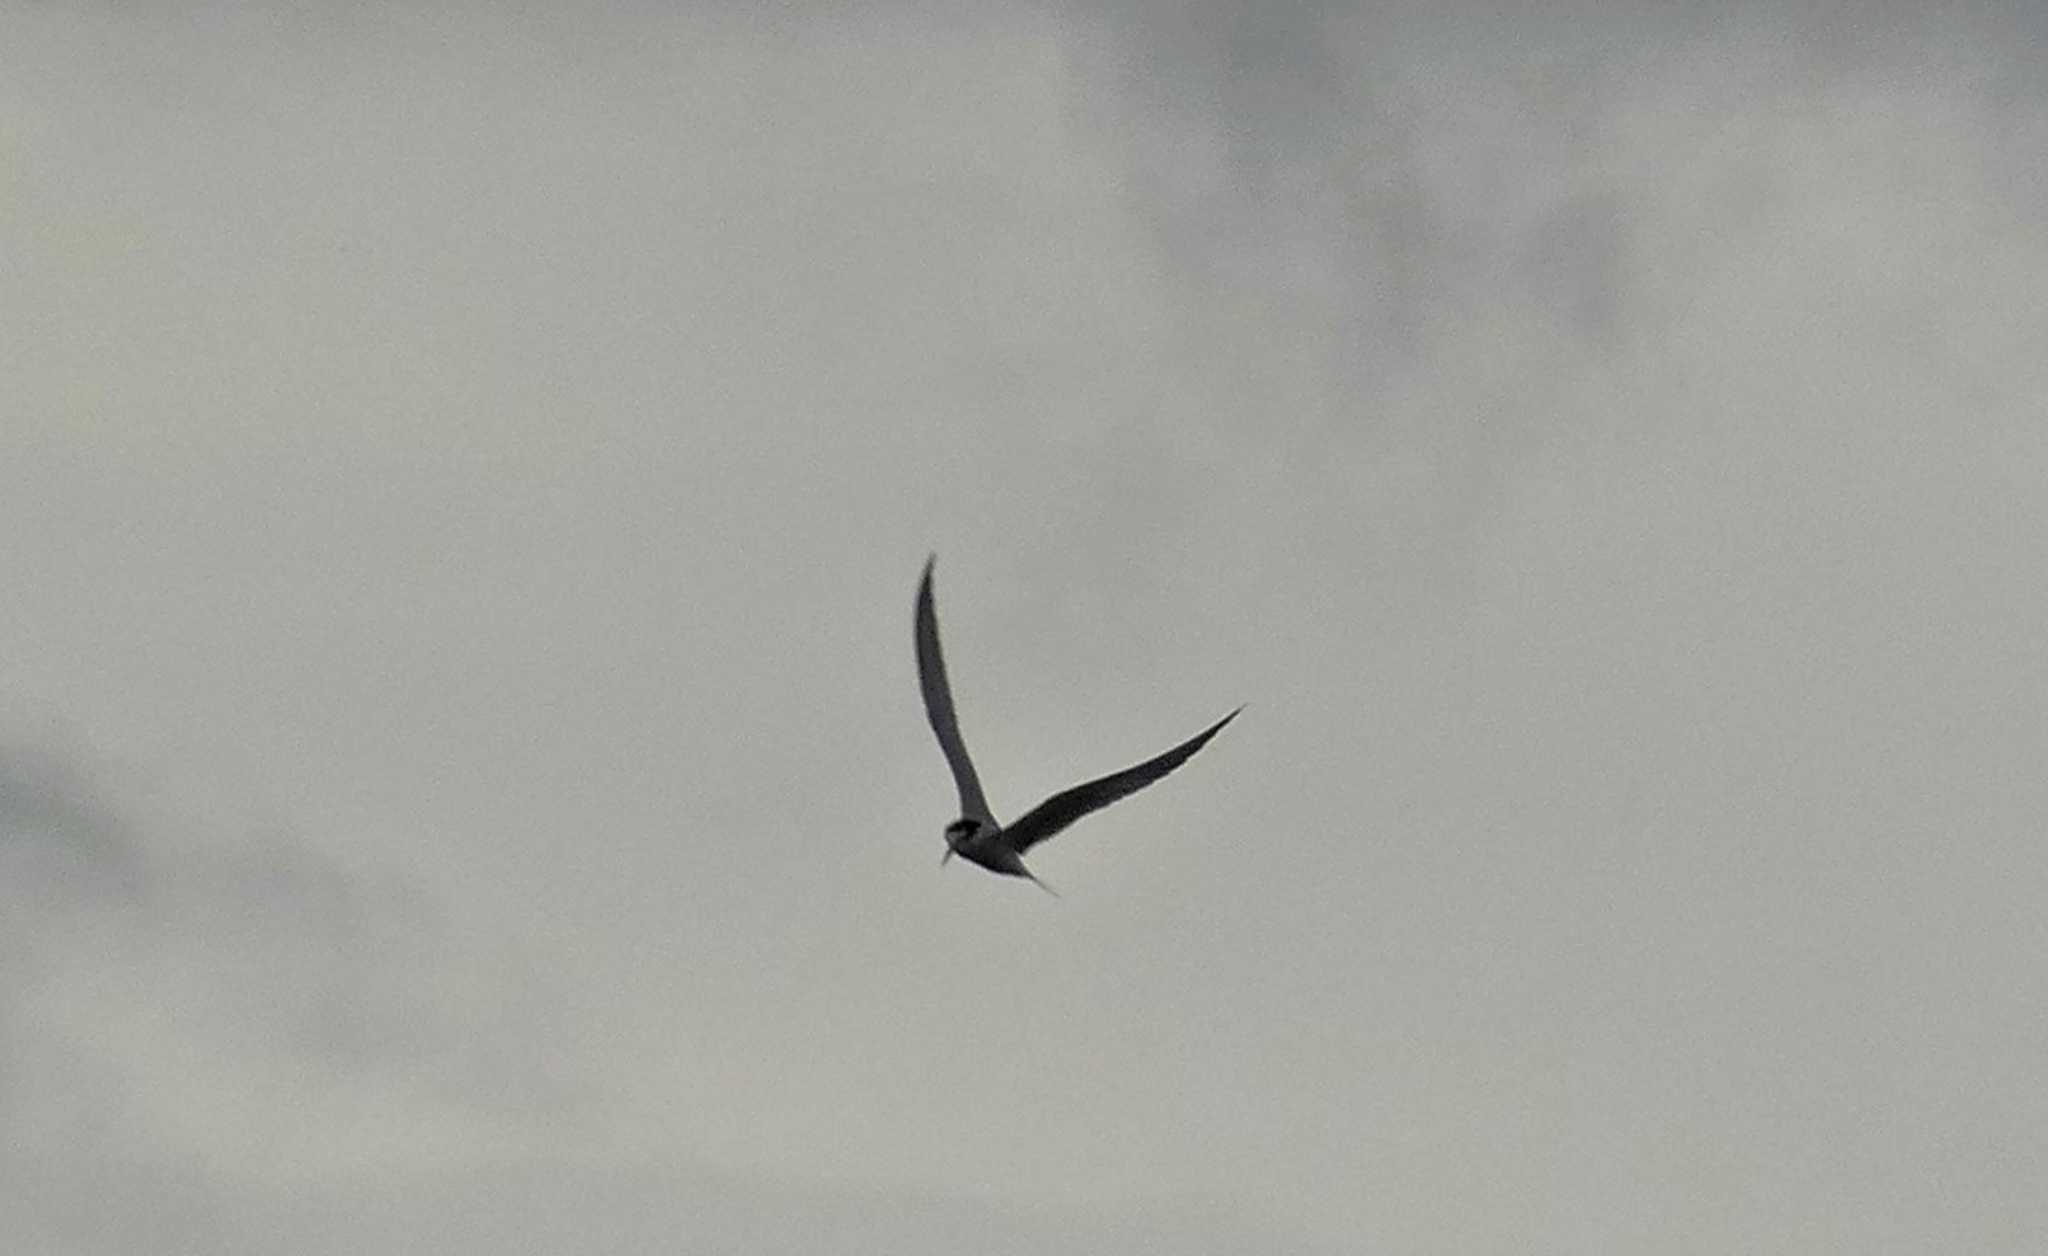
1067, 806
938, 704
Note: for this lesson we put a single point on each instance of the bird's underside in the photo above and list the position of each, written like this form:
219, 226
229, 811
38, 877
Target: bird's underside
976, 836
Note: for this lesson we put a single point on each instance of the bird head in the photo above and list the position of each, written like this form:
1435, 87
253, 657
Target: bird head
958, 833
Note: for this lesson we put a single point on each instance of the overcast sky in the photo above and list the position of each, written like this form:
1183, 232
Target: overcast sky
463, 477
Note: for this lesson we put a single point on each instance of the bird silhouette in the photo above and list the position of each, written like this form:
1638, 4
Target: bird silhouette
977, 836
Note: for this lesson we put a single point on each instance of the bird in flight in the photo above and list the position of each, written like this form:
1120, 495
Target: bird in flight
977, 836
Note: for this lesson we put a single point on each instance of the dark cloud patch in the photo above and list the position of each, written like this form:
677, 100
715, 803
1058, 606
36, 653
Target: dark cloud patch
1417, 246
175, 987
1573, 263
58, 845
258, 920
1392, 172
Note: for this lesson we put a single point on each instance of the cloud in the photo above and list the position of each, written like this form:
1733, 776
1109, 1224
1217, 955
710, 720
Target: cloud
1602, 444
185, 1004
1419, 248
221, 1040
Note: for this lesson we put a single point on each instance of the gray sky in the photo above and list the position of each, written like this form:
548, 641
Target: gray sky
463, 475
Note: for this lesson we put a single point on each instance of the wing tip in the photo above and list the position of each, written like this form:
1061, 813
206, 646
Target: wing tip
1202, 738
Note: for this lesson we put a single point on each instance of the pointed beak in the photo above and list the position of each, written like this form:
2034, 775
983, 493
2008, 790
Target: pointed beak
943, 858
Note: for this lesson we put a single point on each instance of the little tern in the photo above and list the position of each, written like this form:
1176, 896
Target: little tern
977, 836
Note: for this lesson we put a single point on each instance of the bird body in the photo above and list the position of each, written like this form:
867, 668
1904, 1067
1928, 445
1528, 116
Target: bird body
989, 847
977, 836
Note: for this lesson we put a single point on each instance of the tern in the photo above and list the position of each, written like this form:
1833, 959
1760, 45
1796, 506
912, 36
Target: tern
977, 836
